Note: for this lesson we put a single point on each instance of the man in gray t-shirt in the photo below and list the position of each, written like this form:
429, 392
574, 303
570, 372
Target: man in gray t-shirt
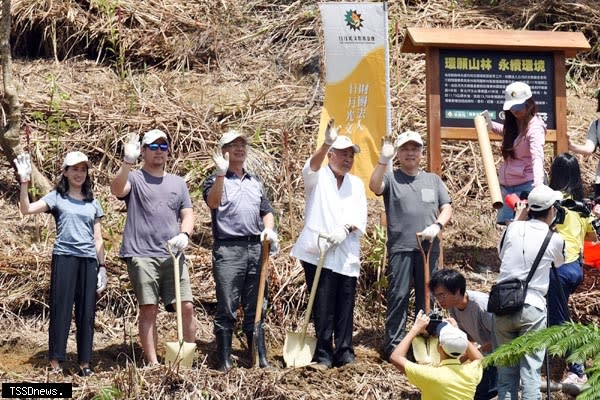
415, 202
159, 211
468, 308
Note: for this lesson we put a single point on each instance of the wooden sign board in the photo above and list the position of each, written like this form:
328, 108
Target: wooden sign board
468, 69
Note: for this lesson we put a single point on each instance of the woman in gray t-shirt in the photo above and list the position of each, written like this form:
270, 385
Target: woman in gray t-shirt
77, 269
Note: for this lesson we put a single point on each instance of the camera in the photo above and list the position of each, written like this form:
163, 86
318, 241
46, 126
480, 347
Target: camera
580, 207
596, 225
512, 199
436, 322
559, 218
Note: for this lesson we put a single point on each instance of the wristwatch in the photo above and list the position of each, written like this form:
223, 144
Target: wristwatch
440, 225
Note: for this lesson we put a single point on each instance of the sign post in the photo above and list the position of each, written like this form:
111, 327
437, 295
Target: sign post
467, 71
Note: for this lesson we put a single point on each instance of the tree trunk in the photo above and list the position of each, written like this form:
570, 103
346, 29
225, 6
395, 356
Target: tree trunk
9, 134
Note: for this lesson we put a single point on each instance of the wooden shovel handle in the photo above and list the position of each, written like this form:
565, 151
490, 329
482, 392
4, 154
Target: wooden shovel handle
175, 259
425, 270
315, 285
264, 267
426, 275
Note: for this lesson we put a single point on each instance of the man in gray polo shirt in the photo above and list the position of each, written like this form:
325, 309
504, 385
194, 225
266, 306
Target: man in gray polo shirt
241, 217
159, 209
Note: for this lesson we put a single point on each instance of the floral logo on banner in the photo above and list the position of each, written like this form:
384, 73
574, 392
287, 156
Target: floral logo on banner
353, 20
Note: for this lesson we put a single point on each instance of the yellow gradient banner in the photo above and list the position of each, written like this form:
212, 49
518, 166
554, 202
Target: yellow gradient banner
357, 78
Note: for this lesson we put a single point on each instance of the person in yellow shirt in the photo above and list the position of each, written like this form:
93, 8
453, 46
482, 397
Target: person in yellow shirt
451, 379
565, 176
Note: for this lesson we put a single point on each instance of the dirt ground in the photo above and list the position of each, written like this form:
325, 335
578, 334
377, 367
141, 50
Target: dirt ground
91, 72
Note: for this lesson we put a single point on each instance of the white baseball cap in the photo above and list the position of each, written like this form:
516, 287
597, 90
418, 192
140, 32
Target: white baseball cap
230, 136
153, 135
542, 198
516, 94
74, 158
454, 342
343, 142
409, 136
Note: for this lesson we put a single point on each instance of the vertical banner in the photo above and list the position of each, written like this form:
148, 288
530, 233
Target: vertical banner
357, 89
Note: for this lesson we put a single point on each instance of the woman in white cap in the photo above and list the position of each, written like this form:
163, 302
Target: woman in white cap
524, 135
78, 265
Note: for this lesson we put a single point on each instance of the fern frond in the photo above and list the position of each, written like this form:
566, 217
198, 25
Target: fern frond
582, 342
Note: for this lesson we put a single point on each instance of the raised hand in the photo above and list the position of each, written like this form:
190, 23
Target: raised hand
132, 148
331, 132
488, 120
23, 164
221, 162
387, 152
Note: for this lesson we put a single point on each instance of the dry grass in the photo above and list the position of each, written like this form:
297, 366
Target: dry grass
95, 71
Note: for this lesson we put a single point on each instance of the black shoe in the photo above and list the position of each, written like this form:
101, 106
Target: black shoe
85, 371
224, 351
349, 359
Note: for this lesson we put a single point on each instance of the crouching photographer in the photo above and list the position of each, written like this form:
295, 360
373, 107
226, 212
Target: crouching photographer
451, 379
577, 223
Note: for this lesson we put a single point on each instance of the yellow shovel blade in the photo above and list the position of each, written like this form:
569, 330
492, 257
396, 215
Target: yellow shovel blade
180, 352
425, 350
298, 352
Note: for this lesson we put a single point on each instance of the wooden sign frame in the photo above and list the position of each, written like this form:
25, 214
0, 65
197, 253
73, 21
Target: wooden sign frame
431, 40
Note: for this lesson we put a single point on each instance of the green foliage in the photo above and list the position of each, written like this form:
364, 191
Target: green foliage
375, 250
114, 42
54, 118
581, 341
108, 393
197, 172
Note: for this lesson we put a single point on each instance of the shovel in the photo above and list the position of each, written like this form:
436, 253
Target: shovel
179, 352
298, 349
425, 348
264, 267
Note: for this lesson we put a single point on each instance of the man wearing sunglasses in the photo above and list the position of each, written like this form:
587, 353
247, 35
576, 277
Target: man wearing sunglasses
159, 210
241, 218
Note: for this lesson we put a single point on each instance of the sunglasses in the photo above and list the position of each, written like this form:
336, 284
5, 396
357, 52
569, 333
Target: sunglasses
156, 146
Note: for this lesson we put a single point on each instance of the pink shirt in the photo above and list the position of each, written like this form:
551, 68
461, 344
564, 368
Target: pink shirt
528, 164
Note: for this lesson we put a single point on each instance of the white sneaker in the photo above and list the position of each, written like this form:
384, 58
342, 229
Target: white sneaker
573, 379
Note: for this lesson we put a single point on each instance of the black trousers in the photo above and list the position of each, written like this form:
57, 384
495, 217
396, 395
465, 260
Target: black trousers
333, 315
72, 281
236, 270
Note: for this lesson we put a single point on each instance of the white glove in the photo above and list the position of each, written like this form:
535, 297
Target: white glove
430, 232
387, 153
338, 235
132, 148
488, 120
23, 164
179, 242
221, 162
102, 280
330, 132
270, 235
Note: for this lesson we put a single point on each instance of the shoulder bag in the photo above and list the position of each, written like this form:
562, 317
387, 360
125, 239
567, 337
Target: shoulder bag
508, 297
